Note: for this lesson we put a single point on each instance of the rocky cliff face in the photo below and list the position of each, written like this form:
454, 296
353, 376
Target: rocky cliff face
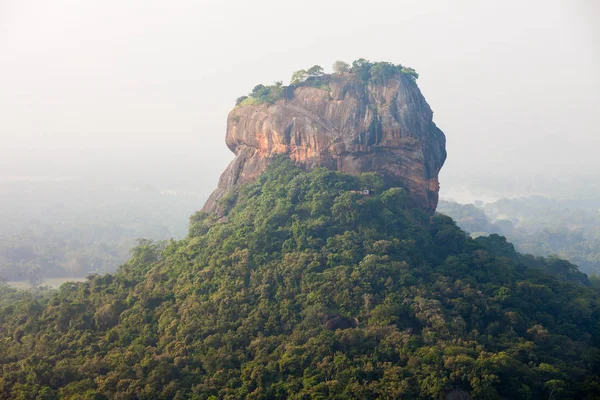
354, 127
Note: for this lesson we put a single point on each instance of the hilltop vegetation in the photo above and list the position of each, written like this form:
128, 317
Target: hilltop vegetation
315, 76
309, 290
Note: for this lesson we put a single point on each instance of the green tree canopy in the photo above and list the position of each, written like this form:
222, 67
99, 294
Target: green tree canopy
340, 67
315, 71
299, 77
309, 289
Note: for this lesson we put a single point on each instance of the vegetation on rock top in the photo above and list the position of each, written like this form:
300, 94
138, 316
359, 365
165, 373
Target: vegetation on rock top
367, 71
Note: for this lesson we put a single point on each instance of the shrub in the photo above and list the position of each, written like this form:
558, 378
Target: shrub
379, 72
262, 94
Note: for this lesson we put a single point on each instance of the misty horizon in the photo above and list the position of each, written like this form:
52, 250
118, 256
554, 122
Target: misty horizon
148, 98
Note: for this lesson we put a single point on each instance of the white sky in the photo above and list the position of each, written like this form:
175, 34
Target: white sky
144, 86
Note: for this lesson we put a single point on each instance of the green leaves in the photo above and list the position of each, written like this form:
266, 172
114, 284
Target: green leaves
236, 309
379, 72
341, 67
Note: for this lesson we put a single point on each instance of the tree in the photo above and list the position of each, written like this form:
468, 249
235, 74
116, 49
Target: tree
315, 71
362, 68
299, 77
411, 73
382, 71
340, 67
258, 90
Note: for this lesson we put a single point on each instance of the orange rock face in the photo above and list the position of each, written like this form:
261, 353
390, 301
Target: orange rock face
353, 128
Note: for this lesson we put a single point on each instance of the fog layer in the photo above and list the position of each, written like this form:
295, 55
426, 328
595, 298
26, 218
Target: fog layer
142, 88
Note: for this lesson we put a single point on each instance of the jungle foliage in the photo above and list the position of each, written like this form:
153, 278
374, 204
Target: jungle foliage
235, 310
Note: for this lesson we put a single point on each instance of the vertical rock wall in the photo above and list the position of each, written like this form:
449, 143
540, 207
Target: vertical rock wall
354, 127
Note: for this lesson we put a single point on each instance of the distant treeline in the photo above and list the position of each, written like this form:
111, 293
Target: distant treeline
540, 226
71, 229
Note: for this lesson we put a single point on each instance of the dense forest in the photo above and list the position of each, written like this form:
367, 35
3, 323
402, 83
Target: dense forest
567, 228
70, 228
308, 289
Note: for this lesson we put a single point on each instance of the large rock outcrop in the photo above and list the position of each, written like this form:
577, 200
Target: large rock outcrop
354, 127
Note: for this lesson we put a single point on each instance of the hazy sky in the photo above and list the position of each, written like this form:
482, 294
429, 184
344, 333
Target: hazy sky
146, 85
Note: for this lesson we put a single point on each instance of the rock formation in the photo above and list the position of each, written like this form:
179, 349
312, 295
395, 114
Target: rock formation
353, 127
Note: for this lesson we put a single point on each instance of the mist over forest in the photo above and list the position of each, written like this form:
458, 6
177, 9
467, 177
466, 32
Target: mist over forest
112, 113
69, 227
207, 200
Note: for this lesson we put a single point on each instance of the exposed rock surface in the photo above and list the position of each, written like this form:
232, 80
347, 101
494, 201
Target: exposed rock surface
354, 127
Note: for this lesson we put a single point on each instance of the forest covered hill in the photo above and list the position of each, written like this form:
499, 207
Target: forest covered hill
307, 289
542, 226
70, 228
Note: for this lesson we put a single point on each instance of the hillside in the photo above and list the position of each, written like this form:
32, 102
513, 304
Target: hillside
308, 290
541, 226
